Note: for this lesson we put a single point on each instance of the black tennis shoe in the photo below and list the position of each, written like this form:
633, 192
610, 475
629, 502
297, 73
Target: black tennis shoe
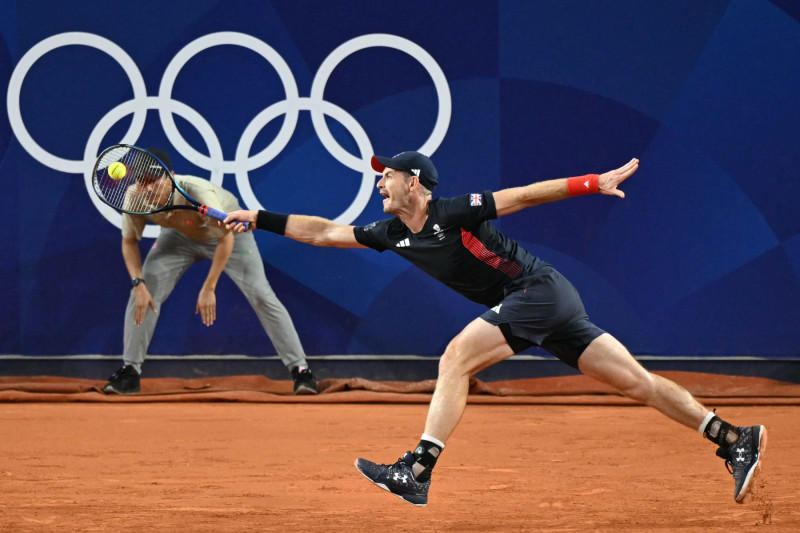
743, 458
123, 381
304, 381
397, 479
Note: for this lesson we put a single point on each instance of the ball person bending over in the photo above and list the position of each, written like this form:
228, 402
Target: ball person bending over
529, 303
187, 237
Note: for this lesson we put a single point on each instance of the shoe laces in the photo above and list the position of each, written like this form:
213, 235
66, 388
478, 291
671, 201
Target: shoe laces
729, 466
117, 374
724, 452
303, 375
401, 464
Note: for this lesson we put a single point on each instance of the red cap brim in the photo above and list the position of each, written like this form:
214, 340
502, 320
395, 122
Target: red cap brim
377, 166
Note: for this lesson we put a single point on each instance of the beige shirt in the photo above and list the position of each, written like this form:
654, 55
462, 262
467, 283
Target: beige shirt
192, 224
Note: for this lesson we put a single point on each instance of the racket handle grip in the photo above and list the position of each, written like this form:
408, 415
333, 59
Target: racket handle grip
216, 213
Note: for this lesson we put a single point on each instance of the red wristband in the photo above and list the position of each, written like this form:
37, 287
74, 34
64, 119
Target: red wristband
583, 184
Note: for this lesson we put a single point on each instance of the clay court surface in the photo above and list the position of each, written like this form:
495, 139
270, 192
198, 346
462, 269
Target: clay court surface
514, 464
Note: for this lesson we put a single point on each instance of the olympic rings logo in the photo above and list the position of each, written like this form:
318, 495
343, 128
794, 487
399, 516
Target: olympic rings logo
243, 162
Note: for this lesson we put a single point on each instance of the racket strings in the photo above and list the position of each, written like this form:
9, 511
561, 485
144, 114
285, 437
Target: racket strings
141, 190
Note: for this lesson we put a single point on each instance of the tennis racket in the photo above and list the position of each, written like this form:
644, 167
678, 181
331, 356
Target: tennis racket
143, 185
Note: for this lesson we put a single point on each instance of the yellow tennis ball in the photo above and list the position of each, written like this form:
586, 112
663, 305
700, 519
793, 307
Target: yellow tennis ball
117, 171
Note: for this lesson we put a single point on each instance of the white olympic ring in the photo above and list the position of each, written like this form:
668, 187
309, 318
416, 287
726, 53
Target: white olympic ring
371, 41
217, 39
33, 55
243, 162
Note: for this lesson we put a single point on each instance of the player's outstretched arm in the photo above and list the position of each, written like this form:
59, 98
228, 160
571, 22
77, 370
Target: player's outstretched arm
516, 198
308, 229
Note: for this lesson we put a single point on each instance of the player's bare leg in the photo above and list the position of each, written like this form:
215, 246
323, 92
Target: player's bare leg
479, 345
607, 360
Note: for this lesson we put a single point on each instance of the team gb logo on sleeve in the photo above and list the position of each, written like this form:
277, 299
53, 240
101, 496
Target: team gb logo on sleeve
475, 200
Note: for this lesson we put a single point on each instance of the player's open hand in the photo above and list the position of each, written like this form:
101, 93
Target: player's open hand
235, 219
609, 180
207, 306
143, 302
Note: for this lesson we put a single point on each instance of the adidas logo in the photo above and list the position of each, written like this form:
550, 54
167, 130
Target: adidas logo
402, 244
416, 171
586, 184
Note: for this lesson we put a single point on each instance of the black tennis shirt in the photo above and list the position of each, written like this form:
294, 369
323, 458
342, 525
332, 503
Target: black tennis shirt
457, 246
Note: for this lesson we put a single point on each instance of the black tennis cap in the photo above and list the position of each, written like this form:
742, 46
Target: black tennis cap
414, 162
162, 155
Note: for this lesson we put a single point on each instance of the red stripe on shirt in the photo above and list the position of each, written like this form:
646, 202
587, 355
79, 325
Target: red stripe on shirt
476, 248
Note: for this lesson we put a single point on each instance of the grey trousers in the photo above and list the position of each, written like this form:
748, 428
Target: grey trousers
170, 258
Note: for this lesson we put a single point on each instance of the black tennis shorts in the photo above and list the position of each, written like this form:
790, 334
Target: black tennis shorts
544, 310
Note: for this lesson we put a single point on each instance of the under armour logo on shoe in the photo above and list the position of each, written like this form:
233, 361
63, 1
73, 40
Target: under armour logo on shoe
402, 478
741, 456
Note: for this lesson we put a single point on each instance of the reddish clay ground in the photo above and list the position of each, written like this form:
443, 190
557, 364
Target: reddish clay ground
289, 468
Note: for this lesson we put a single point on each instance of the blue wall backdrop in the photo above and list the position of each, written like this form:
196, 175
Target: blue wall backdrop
702, 258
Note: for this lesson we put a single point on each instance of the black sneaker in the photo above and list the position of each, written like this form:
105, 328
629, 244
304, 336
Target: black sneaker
304, 382
743, 458
397, 479
123, 381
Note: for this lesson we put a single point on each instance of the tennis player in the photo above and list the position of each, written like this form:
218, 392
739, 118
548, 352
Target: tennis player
187, 237
529, 303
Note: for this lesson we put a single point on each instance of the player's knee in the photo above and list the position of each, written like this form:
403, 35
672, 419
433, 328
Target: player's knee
446, 361
454, 359
265, 300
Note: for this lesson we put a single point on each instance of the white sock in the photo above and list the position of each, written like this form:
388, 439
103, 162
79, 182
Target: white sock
135, 366
705, 422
